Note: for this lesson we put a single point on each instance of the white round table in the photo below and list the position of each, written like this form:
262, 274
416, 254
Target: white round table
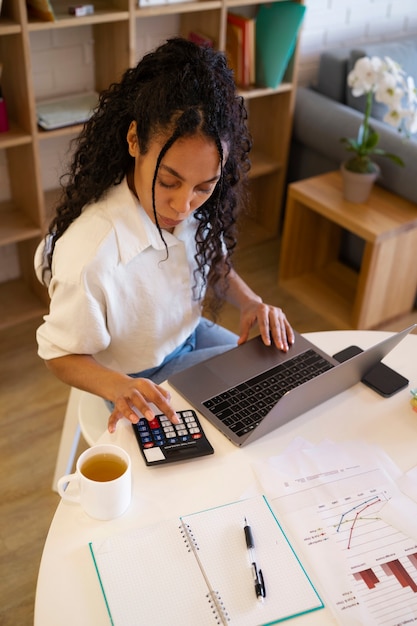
68, 592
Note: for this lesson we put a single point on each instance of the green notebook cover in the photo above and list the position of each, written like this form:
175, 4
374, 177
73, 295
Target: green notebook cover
277, 27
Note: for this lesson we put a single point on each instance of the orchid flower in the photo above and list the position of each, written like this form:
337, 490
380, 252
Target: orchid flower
384, 80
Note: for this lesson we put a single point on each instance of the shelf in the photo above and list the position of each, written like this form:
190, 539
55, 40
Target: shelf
65, 131
231, 4
15, 136
15, 226
9, 27
178, 7
262, 164
18, 304
63, 20
261, 92
251, 232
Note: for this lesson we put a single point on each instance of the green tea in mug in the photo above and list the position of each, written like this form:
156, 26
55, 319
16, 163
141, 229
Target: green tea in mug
103, 467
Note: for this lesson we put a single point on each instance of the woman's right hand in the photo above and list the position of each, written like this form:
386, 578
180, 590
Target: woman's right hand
131, 396
133, 399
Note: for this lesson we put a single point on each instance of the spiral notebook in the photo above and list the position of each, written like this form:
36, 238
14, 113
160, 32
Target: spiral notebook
197, 570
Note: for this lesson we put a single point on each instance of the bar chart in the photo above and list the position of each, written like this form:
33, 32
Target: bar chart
391, 568
381, 561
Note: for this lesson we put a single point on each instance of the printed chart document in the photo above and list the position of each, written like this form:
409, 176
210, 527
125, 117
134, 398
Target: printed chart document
353, 526
197, 570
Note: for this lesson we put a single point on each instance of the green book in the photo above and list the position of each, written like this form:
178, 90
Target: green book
277, 27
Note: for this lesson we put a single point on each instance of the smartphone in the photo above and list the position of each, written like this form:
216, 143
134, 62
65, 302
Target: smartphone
380, 378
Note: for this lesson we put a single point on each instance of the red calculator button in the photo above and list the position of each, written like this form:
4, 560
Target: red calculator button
154, 423
150, 444
196, 435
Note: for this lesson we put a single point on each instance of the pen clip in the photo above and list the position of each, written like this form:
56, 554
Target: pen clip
262, 584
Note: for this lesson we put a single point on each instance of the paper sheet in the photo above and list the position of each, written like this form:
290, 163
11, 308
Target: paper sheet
342, 507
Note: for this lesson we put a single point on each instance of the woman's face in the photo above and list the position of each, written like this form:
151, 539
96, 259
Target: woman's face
186, 178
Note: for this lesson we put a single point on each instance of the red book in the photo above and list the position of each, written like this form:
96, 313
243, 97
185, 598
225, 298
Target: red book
243, 30
200, 38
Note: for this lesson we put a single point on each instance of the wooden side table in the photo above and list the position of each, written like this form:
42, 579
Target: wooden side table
311, 270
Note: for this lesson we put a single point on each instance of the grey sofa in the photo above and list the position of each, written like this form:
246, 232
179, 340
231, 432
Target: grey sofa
328, 111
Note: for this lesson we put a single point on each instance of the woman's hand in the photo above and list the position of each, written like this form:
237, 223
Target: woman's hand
272, 322
133, 398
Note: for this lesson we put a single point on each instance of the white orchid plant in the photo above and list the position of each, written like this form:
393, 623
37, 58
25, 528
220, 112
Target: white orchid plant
384, 80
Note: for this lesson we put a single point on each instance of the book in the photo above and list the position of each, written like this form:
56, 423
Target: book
41, 9
66, 111
242, 30
197, 570
277, 27
200, 38
234, 43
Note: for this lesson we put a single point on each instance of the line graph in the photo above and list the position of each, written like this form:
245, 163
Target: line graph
358, 515
355, 521
380, 560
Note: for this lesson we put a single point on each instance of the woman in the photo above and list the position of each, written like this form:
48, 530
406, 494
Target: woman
145, 230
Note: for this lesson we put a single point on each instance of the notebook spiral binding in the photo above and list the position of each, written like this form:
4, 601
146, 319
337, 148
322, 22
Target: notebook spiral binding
214, 599
188, 537
218, 608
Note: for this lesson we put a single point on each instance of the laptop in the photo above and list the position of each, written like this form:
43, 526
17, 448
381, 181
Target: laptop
253, 389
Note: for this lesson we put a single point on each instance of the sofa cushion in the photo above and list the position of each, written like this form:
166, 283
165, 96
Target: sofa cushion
332, 74
403, 51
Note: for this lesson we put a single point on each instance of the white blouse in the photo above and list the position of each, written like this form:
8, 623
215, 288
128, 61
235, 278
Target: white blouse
114, 292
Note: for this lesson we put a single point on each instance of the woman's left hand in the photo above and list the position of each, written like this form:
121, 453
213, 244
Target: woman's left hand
273, 325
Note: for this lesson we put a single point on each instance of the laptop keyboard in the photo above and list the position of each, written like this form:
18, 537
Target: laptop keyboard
243, 407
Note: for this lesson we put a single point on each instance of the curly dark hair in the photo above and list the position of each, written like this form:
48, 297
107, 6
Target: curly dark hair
178, 90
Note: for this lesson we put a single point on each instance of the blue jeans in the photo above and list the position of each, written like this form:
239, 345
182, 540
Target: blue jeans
206, 341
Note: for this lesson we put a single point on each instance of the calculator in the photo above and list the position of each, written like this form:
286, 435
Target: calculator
161, 442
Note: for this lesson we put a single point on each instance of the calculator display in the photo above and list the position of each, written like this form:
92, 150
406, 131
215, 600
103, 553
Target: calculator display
160, 441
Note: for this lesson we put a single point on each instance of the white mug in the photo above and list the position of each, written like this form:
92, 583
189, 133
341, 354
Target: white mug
104, 482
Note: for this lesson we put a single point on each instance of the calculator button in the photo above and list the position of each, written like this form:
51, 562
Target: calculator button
150, 444
197, 436
154, 423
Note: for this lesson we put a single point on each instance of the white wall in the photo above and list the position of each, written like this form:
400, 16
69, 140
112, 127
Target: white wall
62, 63
347, 23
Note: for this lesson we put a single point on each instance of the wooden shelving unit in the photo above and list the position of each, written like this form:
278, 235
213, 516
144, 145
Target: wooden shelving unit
24, 218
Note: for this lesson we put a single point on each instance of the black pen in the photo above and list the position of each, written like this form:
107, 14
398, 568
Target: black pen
258, 578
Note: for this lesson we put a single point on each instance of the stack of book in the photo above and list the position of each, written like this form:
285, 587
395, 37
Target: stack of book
260, 49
